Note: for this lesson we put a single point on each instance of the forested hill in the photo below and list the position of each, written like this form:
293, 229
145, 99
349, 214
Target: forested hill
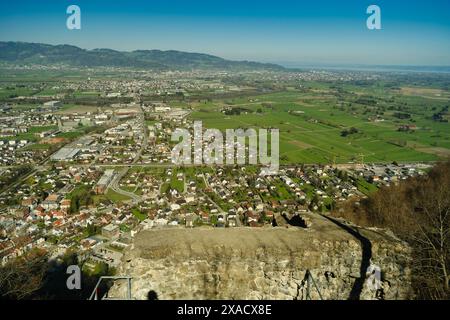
45, 54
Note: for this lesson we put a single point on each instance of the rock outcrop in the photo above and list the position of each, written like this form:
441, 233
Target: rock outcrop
267, 263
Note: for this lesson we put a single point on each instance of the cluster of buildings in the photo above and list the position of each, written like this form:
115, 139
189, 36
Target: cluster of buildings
96, 191
122, 143
50, 213
12, 153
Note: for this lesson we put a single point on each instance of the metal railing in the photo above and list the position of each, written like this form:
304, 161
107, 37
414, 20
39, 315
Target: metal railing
94, 294
310, 280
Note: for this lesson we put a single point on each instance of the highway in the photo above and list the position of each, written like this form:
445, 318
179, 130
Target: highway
114, 185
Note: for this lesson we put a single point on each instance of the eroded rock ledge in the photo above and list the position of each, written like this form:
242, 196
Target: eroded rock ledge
263, 263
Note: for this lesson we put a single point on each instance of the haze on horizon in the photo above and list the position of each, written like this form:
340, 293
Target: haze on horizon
285, 32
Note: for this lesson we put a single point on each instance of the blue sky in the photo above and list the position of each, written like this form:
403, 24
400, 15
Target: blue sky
415, 32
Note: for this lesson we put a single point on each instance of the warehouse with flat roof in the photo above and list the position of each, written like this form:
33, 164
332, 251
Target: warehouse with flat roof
65, 154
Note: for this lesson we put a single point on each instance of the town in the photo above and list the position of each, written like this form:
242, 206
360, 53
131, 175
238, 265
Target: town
88, 178
224, 151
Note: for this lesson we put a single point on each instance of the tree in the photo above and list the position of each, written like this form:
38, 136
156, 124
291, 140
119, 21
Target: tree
74, 204
20, 278
314, 202
342, 175
92, 230
431, 236
418, 211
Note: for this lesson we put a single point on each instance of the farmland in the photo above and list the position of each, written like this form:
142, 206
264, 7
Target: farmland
394, 118
311, 121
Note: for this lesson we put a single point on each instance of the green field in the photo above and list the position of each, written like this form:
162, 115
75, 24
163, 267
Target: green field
311, 115
138, 214
115, 197
311, 124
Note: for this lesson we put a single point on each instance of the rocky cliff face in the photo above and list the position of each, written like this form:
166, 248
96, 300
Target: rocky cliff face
267, 263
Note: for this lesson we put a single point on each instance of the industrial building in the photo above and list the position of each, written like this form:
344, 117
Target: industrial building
65, 154
103, 183
53, 104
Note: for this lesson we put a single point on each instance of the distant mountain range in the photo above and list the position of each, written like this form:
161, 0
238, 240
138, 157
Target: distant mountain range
45, 54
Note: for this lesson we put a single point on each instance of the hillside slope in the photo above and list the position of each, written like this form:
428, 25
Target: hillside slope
45, 54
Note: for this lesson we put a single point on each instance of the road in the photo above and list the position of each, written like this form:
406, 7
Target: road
114, 185
19, 182
141, 118
172, 165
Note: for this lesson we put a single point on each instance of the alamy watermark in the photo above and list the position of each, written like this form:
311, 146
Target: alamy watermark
374, 20
74, 280
74, 20
211, 148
